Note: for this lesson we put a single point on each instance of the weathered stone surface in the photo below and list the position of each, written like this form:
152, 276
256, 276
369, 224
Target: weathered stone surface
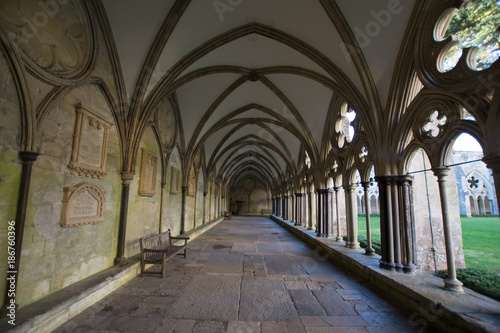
263, 300
213, 297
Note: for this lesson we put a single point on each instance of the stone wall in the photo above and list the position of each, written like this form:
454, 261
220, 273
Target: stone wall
422, 213
143, 211
54, 257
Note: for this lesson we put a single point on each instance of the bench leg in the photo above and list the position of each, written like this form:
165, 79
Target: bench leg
185, 251
164, 261
143, 265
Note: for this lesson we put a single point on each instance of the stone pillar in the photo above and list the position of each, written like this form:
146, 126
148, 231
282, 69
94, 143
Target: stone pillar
293, 217
127, 178
337, 212
205, 207
352, 214
160, 225
183, 209
298, 209
210, 208
395, 225
493, 162
28, 158
323, 227
369, 251
407, 223
386, 234
451, 283
285, 207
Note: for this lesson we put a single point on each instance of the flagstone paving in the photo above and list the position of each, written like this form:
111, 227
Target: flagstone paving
246, 274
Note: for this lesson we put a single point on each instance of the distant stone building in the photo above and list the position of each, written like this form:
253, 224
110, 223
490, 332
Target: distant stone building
475, 188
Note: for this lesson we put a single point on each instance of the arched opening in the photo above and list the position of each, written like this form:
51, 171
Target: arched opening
478, 205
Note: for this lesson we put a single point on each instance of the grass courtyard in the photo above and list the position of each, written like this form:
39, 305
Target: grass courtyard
480, 235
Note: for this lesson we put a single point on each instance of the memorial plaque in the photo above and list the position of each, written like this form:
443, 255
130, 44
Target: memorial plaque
174, 181
90, 143
147, 181
82, 204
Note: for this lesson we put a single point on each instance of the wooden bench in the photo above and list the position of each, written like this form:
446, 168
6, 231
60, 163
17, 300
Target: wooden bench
227, 215
158, 249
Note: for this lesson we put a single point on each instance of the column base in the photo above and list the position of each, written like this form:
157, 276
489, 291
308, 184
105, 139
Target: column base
120, 261
390, 266
369, 251
409, 269
453, 285
354, 245
339, 239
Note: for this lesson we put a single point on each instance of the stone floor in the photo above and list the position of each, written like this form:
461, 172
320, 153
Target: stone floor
245, 275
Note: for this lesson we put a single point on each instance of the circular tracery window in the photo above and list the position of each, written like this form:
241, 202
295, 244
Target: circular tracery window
475, 24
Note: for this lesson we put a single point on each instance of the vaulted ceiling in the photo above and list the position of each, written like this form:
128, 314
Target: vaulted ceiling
254, 80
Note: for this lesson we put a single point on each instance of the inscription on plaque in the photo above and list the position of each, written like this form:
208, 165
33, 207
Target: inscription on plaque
82, 204
147, 182
90, 143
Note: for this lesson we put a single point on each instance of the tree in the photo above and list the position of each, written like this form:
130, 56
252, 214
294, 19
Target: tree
477, 24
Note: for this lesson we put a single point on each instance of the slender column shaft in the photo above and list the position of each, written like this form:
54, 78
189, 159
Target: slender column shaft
310, 210
205, 207
369, 251
27, 159
408, 241
386, 234
127, 178
352, 236
451, 283
337, 211
395, 226
298, 208
183, 209
160, 225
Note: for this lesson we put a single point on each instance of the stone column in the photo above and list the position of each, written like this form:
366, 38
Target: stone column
183, 209
298, 209
323, 213
310, 210
293, 217
352, 213
395, 225
127, 178
493, 162
337, 211
160, 225
205, 207
451, 283
369, 251
28, 158
407, 224
386, 234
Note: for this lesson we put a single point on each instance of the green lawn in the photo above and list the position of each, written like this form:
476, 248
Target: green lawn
481, 240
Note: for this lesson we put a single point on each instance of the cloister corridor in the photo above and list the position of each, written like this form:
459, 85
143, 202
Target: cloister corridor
246, 274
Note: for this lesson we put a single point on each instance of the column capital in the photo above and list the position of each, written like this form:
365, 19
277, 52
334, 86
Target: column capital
127, 177
323, 190
28, 156
299, 194
441, 173
205, 193
350, 187
184, 188
366, 185
337, 188
492, 162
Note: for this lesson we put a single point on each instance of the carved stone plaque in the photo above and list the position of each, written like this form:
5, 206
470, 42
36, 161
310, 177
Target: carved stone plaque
90, 144
147, 182
82, 204
174, 181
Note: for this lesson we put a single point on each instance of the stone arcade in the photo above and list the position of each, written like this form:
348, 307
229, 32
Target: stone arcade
123, 119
